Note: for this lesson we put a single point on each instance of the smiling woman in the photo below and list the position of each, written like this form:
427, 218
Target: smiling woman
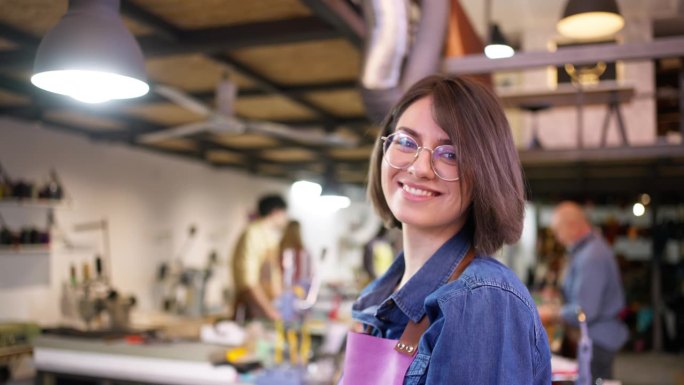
445, 170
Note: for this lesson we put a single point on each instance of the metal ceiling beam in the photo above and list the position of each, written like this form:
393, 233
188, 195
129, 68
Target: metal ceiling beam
629, 153
135, 126
479, 64
213, 40
343, 17
141, 15
17, 36
152, 97
299, 89
270, 86
177, 42
34, 114
50, 101
18, 59
218, 39
625, 188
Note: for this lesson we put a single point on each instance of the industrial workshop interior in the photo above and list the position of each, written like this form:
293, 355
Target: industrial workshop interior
232, 192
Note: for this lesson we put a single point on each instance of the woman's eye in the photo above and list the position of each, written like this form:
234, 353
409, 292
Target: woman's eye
406, 142
447, 154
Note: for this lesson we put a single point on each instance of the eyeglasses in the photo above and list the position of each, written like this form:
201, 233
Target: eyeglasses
400, 151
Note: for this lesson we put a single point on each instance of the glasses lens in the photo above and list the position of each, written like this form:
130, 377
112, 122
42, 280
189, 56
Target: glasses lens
400, 150
445, 162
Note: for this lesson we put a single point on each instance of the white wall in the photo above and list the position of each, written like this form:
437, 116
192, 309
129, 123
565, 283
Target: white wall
149, 200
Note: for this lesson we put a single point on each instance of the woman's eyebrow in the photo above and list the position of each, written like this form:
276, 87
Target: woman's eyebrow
416, 135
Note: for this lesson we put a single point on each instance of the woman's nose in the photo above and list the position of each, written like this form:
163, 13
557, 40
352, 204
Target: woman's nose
422, 165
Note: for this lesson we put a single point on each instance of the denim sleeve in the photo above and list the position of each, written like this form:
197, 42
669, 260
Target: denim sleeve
488, 336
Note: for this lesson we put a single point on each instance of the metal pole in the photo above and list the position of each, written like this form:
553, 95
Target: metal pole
656, 278
681, 103
488, 20
580, 115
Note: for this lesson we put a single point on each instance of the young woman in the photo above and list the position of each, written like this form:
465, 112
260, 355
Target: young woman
445, 170
292, 243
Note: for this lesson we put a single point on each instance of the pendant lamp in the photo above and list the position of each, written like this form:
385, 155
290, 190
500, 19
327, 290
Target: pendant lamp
331, 194
90, 55
497, 47
590, 19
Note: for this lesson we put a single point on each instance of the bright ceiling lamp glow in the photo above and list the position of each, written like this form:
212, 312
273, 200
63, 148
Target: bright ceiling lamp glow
332, 198
590, 19
497, 46
90, 55
305, 190
334, 202
498, 51
90, 86
638, 209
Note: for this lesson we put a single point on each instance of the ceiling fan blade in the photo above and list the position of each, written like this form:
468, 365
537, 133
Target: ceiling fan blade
302, 135
175, 132
226, 93
184, 99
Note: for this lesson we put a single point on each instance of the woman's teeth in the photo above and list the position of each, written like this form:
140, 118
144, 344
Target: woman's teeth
417, 191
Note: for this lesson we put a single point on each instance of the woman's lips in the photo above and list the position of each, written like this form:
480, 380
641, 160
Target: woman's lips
417, 192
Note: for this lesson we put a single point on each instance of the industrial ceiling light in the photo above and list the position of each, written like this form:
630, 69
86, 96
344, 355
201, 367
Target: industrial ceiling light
497, 46
90, 55
306, 189
590, 19
332, 197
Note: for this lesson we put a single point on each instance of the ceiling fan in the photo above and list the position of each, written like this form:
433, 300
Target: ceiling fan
223, 121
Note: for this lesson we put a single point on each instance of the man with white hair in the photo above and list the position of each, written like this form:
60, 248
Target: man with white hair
592, 284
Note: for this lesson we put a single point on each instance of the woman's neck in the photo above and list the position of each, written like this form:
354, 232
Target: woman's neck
419, 246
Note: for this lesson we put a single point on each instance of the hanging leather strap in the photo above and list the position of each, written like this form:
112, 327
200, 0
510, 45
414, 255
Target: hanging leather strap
408, 342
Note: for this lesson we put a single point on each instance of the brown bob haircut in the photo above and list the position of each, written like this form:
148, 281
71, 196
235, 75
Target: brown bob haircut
489, 166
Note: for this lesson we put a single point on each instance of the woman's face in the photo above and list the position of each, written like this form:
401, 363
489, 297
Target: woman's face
416, 196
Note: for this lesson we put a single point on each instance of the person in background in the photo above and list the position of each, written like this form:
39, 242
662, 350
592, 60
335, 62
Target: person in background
378, 254
301, 261
592, 284
256, 271
445, 170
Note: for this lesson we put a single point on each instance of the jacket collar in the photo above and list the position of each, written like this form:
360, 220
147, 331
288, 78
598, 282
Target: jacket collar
580, 243
432, 275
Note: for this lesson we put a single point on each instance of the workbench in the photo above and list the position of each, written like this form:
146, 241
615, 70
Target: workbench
99, 361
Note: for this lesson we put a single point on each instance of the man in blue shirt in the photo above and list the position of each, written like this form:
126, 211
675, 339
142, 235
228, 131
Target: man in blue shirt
592, 284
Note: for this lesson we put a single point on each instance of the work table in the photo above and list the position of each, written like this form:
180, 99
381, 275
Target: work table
172, 363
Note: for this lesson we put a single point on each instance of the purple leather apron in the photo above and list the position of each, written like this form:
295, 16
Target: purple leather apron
372, 360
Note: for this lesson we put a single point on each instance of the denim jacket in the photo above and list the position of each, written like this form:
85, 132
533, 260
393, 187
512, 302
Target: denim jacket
484, 327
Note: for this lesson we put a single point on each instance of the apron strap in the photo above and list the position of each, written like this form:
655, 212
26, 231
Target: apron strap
408, 342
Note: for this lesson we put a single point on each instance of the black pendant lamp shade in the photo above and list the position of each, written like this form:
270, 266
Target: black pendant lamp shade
497, 46
90, 55
331, 194
590, 19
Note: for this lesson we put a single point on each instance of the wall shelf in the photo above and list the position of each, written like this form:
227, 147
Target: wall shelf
39, 203
44, 249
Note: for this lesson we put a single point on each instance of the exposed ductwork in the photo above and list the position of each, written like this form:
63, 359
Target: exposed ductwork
394, 59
